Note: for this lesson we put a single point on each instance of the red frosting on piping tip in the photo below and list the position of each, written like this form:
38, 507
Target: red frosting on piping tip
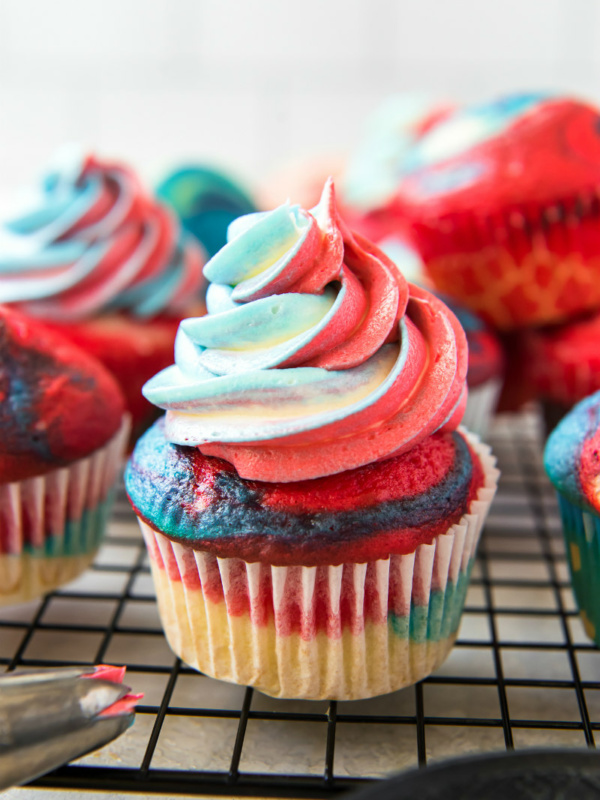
127, 704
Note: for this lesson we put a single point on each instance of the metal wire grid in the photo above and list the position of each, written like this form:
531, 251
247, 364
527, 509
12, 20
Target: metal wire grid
522, 672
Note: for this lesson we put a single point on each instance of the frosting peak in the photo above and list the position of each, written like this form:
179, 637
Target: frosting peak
316, 356
90, 240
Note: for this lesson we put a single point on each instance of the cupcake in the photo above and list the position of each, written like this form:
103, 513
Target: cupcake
310, 508
503, 205
206, 201
485, 372
572, 463
370, 182
92, 255
564, 364
63, 435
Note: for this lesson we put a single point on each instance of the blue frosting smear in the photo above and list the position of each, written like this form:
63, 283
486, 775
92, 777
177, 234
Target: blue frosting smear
206, 201
165, 489
469, 127
459, 133
562, 455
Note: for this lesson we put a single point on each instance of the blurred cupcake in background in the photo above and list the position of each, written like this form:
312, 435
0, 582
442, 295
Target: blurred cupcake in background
371, 179
92, 254
502, 200
572, 463
206, 200
63, 432
564, 364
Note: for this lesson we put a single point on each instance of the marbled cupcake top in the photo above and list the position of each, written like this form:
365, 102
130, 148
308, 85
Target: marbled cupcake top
89, 240
316, 356
572, 455
362, 515
520, 149
57, 404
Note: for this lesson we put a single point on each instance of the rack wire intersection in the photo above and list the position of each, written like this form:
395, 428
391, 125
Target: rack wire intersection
522, 673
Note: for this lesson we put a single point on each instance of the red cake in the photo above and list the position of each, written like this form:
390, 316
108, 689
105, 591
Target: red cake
564, 363
503, 205
63, 430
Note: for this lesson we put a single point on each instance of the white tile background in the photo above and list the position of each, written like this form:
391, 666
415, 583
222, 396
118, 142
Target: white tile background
253, 84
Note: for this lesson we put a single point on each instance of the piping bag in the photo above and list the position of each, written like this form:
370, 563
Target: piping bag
52, 716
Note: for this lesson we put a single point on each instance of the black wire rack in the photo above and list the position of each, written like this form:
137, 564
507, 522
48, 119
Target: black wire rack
522, 674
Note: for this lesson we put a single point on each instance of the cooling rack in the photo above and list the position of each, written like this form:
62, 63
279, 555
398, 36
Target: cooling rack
522, 674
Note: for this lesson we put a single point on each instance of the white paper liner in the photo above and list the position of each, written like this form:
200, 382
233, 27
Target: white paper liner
337, 664
482, 402
51, 525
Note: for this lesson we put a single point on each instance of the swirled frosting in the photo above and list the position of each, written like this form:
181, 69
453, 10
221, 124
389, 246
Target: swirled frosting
90, 240
315, 357
572, 455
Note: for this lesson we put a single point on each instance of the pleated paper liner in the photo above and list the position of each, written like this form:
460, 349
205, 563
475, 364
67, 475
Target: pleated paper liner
582, 536
340, 632
51, 525
529, 265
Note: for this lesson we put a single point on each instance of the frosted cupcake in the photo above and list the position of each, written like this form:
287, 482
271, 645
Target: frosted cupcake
63, 433
93, 255
310, 509
502, 200
572, 463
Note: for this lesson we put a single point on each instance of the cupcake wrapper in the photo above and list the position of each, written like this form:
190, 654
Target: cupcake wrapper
528, 265
338, 632
51, 525
481, 404
582, 535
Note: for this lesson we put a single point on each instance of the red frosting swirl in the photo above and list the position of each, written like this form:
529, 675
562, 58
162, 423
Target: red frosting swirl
92, 241
389, 359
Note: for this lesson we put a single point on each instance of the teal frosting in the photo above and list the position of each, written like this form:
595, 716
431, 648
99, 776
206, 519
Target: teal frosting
206, 201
